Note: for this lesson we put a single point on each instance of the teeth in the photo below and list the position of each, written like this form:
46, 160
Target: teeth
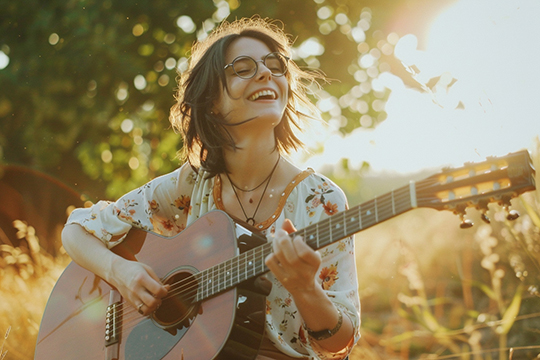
263, 93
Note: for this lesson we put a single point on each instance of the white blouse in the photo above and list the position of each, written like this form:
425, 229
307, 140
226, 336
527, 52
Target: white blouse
168, 204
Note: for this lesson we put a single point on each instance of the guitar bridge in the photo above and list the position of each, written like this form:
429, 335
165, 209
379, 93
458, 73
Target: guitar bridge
113, 325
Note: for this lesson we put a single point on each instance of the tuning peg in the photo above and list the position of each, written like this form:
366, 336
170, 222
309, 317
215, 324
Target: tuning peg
511, 214
465, 223
485, 218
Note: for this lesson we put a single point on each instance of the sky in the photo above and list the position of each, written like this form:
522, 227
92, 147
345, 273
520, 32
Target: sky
487, 102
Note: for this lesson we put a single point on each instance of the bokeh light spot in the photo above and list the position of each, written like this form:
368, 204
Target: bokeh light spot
324, 12
185, 23
54, 38
139, 82
133, 163
137, 30
106, 156
127, 125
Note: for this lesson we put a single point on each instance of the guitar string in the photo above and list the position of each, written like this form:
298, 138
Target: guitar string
242, 263
323, 229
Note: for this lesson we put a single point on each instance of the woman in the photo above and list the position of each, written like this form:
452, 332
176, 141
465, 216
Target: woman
236, 107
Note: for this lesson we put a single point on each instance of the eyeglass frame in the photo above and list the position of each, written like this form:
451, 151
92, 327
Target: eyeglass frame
263, 61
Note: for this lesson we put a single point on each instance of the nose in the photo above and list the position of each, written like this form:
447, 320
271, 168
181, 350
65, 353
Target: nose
263, 71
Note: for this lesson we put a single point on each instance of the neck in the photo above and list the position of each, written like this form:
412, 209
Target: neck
247, 172
249, 165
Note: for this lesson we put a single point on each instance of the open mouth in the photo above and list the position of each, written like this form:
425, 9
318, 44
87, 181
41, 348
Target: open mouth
263, 95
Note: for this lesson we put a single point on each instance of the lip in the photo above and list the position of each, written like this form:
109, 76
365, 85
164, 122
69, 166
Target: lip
255, 96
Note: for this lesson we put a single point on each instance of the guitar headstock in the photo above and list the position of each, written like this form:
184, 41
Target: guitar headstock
498, 179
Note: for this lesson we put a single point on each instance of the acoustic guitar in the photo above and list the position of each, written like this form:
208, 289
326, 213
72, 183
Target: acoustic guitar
215, 308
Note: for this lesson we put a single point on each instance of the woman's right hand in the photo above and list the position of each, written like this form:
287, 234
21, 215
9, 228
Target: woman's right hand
138, 284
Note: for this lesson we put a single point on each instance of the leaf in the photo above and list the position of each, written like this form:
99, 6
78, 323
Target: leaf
511, 313
430, 321
532, 213
486, 289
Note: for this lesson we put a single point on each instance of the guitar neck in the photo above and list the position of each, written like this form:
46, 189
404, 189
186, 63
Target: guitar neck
360, 217
250, 264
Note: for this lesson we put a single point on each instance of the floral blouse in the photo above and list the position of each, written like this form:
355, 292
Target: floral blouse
167, 204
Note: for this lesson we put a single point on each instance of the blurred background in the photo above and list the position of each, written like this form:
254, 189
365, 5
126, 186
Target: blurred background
415, 86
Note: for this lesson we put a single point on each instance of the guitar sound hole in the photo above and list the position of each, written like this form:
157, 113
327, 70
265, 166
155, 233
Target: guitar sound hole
178, 308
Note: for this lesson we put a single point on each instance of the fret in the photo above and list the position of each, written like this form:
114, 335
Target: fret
311, 237
359, 216
253, 262
369, 214
263, 257
227, 274
198, 295
393, 203
214, 281
203, 283
352, 221
208, 281
345, 222
330, 229
246, 263
412, 189
317, 236
219, 279
234, 271
376, 210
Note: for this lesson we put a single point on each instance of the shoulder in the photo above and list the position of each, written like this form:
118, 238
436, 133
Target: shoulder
314, 197
316, 184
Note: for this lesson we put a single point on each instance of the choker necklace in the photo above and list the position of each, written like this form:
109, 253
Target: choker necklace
251, 220
256, 187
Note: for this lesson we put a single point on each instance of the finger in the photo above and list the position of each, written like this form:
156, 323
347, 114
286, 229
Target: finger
284, 249
150, 303
272, 262
140, 308
153, 284
306, 253
288, 226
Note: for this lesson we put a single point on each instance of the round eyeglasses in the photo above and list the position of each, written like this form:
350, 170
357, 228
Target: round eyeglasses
246, 67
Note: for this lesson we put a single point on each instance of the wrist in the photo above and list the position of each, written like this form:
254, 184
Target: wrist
326, 333
114, 267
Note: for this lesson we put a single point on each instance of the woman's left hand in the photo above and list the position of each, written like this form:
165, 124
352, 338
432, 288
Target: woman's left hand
293, 262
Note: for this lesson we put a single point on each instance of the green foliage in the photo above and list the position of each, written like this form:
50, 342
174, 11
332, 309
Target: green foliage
89, 84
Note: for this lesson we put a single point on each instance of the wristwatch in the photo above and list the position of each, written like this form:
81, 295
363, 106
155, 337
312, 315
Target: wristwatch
326, 333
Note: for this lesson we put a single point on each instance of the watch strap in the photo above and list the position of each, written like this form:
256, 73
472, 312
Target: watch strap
326, 333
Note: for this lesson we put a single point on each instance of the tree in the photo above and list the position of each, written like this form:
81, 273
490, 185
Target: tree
86, 94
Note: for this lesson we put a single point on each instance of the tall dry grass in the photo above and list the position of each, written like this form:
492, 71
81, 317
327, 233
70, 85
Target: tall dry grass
27, 276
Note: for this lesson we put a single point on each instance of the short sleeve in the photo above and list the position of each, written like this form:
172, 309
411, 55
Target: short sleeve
157, 206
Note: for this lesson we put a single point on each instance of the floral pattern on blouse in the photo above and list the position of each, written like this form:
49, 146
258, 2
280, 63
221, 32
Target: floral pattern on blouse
168, 204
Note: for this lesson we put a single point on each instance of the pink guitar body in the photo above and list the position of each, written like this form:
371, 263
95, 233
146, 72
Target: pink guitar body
74, 322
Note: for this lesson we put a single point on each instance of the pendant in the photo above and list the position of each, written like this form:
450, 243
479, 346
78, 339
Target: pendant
251, 221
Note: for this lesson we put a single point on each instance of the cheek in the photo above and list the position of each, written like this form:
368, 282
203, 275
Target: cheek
236, 87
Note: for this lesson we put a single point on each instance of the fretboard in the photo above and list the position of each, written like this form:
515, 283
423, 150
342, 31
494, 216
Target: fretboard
249, 264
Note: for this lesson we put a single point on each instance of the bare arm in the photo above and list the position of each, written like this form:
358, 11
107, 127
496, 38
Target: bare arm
137, 283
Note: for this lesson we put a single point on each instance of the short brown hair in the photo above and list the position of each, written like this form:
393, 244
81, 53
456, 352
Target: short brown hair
204, 133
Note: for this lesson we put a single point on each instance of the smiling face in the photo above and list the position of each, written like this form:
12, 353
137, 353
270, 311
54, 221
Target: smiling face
262, 97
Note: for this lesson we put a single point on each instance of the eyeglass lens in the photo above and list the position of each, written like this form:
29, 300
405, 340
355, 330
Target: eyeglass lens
246, 67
